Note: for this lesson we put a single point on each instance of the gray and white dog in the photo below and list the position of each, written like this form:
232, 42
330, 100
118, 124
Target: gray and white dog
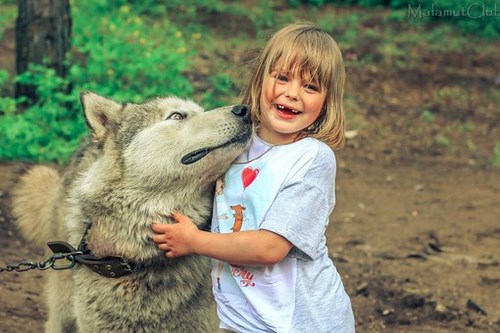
140, 160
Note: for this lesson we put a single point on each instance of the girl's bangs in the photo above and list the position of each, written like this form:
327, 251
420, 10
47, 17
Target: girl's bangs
303, 61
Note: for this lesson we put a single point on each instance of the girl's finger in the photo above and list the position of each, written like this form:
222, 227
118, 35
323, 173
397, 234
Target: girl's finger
176, 215
180, 218
159, 227
159, 239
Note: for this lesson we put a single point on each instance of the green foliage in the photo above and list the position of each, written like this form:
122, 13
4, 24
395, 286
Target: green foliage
496, 155
220, 85
116, 53
48, 130
7, 14
345, 28
185, 8
442, 140
428, 116
127, 57
316, 3
471, 146
472, 17
7, 104
466, 127
263, 15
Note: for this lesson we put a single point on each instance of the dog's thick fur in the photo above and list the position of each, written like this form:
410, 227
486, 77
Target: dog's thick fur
127, 172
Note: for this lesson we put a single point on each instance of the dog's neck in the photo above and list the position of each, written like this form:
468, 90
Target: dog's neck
122, 225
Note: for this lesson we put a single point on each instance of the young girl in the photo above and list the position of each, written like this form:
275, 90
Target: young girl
270, 266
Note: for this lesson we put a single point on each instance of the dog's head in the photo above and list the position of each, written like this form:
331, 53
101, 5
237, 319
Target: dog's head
167, 140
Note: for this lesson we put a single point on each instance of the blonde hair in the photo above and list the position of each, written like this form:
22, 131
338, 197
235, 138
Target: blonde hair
305, 49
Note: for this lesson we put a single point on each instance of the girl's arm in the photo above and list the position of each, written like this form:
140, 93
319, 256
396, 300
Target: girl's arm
255, 247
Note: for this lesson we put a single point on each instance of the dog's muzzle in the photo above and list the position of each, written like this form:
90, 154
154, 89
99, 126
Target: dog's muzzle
239, 111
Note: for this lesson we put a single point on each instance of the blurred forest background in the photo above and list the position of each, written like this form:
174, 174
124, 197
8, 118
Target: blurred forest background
415, 233
133, 50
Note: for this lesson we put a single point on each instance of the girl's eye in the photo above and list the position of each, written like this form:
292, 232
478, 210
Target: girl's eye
176, 116
282, 78
312, 87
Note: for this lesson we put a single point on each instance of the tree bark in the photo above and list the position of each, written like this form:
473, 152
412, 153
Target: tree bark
43, 36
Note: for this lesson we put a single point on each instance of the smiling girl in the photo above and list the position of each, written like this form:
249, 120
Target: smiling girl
270, 266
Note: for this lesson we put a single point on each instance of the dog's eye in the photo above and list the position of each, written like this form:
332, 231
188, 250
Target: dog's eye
176, 116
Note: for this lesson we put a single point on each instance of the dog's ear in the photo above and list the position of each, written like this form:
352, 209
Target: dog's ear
100, 113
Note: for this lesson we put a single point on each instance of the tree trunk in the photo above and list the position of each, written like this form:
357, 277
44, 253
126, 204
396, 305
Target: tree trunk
43, 36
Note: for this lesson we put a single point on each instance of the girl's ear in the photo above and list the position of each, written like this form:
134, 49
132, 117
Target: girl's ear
100, 114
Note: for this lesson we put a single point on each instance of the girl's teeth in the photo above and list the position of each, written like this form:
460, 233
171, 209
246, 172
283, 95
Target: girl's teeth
281, 107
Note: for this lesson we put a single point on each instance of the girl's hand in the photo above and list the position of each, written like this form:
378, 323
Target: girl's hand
251, 247
175, 239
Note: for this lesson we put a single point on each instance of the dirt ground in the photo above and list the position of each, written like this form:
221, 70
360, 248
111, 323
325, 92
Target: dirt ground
415, 233
416, 245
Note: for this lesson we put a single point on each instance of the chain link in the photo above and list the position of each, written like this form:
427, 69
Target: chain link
24, 266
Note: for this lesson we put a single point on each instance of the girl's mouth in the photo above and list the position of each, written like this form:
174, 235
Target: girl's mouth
286, 111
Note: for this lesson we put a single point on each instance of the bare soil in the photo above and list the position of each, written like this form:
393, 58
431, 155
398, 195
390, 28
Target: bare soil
416, 245
415, 233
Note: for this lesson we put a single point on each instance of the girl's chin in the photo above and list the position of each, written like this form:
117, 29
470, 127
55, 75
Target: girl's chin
277, 137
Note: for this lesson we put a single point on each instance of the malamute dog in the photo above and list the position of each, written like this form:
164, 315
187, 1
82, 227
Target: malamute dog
141, 160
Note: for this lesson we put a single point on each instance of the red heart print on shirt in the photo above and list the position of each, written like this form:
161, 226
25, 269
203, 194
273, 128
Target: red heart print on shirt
248, 176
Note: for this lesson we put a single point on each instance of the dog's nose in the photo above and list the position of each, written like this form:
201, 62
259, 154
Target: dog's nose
242, 111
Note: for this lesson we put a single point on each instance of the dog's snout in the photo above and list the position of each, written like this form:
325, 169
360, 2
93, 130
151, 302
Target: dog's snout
242, 111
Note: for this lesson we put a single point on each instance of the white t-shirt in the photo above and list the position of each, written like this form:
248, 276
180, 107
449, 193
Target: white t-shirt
289, 190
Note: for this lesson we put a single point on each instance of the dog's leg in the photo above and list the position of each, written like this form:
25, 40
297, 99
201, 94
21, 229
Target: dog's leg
61, 318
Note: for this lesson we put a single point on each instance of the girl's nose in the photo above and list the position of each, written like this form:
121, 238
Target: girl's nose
292, 92
291, 96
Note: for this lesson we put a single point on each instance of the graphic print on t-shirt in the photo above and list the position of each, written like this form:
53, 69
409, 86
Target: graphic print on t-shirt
248, 175
238, 217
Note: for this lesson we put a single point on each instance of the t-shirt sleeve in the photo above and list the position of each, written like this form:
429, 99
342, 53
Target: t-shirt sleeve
300, 213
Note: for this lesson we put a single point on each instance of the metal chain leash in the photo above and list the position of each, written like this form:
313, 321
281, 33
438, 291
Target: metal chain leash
24, 266
112, 267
